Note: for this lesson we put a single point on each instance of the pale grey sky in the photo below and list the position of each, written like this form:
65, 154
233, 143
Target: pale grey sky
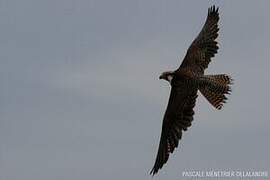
81, 99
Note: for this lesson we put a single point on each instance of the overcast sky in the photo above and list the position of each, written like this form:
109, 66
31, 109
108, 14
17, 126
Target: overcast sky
80, 96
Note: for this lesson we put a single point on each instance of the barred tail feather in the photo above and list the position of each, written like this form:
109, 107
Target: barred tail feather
215, 89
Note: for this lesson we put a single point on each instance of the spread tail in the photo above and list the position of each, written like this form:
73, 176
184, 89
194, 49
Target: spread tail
215, 88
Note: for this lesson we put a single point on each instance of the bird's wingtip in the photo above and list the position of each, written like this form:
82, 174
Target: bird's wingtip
153, 172
213, 9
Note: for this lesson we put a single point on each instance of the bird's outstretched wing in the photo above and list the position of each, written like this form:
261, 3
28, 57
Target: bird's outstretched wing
178, 117
204, 47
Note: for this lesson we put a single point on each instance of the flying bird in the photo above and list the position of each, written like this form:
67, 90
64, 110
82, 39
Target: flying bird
185, 83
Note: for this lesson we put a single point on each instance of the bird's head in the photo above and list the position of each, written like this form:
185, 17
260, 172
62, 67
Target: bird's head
167, 75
